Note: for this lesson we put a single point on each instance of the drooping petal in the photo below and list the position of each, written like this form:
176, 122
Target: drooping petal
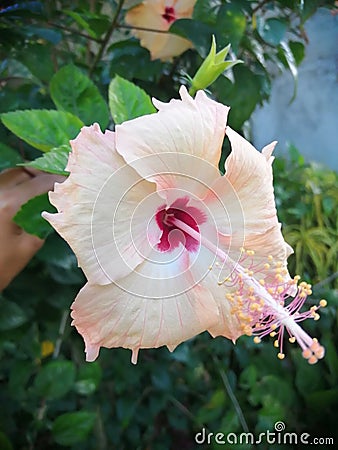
243, 206
185, 150
250, 173
97, 205
111, 316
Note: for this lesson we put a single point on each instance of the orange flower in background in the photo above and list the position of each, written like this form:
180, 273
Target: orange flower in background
160, 15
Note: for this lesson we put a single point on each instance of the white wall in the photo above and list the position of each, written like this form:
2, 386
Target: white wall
311, 121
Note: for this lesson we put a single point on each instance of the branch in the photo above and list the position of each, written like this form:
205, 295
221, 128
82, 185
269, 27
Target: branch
107, 37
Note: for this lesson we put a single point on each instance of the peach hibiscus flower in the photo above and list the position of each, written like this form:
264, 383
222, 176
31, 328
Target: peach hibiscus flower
170, 247
159, 15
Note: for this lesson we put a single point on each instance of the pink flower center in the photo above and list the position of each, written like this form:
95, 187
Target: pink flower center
169, 14
172, 235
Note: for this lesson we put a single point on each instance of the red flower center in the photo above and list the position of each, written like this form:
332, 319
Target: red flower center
172, 236
169, 14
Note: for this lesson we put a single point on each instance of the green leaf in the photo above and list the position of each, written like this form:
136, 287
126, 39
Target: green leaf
5, 443
122, 52
55, 379
43, 129
73, 427
89, 378
54, 161
287, 58
29, 216
197, 32
72, 91
127, 101
272, 31
298, 51
8, 157
11, 315
231, 24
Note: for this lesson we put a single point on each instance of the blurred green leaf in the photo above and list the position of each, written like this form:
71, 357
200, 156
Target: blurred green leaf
71, 90
29, 216
11, 315
231, 25
197, 32
55, 379
73, 427
298, 51
128, 101
5, 443
37, 57
272, 31
43, 129
89, 378
287, 58
54, 161
8, 157
122, 52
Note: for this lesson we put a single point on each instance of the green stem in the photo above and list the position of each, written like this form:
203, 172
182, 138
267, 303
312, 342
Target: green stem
107, 37
232, 396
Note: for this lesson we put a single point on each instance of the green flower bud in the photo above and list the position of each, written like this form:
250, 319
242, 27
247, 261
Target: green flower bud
212, 67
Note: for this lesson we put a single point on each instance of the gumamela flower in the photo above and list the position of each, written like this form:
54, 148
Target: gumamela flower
160, 15
171, 247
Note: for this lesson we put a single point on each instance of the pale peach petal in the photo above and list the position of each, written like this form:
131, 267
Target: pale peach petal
98, 203
250, 174
108, 316
185, 150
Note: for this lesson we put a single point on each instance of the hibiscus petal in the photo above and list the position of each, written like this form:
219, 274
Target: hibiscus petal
250, 174
108, 316
97, 205
185, 150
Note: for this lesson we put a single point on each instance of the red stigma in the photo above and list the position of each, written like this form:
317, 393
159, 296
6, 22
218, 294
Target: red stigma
169, 14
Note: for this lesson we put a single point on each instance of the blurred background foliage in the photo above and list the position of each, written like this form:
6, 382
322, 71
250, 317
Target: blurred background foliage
60, 56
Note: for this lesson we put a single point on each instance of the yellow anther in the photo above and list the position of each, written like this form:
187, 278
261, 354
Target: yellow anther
316, 316
276, 344
302, 294
281, 355
296, 278
315, 340
308, 291
270, 290
266, 266
292, 340
270, 258
210, 267
273, 326
323, 303
242, 249
280, 289
273, 334
250, 252
313, 308
257, 340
